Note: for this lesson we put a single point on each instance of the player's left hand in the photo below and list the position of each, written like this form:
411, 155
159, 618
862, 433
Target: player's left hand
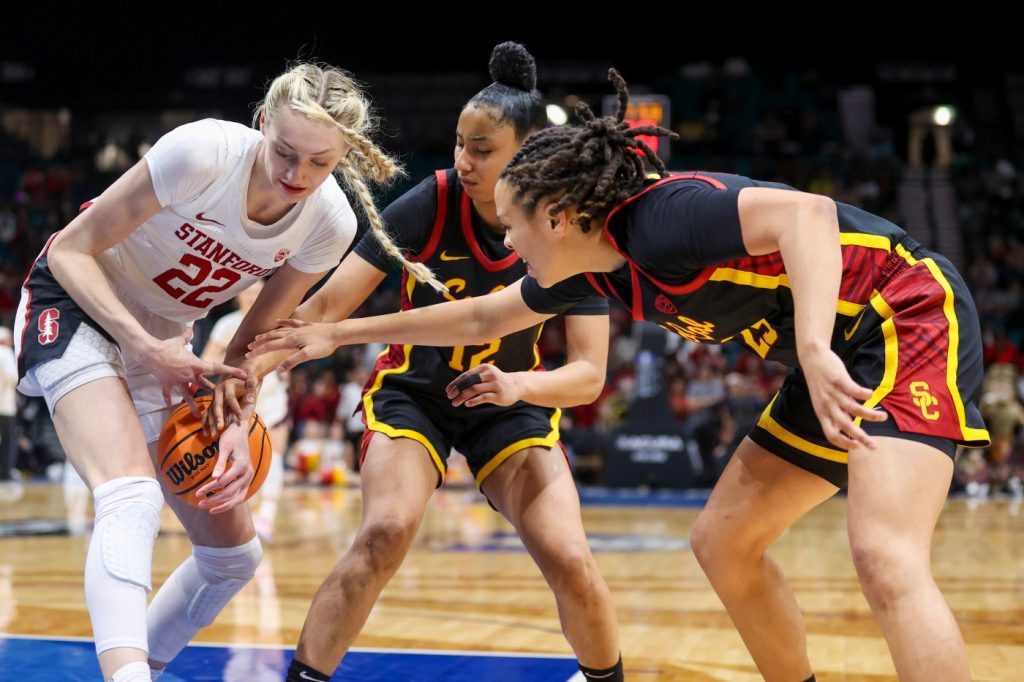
233, 472
484, 384
230, 397
838, 400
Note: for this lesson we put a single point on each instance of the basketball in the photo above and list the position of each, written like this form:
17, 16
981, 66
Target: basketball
187, 457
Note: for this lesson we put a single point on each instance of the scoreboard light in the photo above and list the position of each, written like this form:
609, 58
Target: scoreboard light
644, 110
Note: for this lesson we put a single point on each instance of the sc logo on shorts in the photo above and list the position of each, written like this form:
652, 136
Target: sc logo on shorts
924, 399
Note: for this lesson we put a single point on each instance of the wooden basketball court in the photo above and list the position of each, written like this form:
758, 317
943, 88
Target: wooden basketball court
469, 587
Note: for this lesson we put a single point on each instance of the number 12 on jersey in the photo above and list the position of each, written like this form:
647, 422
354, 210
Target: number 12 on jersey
459, 354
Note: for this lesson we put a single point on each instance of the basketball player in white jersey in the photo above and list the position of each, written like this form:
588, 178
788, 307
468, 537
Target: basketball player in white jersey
104, 324
271, 405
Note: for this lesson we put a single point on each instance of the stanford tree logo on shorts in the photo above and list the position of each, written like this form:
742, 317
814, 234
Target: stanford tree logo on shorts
281, 255
49, 328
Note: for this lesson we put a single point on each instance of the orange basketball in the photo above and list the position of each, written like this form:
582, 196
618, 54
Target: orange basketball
186, 457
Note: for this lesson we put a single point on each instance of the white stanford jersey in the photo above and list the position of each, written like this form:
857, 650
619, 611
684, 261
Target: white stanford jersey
202, 249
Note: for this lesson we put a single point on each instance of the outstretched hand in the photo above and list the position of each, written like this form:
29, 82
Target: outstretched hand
310, 340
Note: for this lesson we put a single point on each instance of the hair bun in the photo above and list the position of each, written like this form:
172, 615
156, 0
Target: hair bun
513, 66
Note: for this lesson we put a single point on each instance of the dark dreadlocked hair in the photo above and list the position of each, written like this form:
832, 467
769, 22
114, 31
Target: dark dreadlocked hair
593, 165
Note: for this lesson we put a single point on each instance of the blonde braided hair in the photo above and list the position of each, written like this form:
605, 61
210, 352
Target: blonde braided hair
330, 95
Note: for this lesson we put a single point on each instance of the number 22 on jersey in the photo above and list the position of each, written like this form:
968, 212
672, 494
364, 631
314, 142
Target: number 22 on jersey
196, 271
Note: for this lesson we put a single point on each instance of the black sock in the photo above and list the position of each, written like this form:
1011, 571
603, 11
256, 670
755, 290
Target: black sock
612, 674
300, 672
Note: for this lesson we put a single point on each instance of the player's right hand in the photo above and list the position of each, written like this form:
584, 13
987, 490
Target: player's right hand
311, 340
838, 400
177, 367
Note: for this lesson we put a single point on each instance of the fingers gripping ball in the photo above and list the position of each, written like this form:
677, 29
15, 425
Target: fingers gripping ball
187, 457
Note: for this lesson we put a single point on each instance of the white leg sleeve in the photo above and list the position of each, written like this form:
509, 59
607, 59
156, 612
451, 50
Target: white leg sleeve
118, 568
132, 672
195, 593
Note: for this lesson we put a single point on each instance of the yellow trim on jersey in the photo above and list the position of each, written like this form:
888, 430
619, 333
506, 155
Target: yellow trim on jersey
968, 433
849, 308
749, 279
871, 241
905, 255
881, 306
776, 429
892, 355
374, 424
752, 279
547, 441
536, 350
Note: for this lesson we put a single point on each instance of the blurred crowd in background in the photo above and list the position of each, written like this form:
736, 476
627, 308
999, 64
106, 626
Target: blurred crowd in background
956, 186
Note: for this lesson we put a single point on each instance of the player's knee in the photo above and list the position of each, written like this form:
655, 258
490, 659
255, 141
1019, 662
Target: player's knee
709, 544
575, 574
128, 520
385, 542
225, 571
702, 541
886, 569
717, 547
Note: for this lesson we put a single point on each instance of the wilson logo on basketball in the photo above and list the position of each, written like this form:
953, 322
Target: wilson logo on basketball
190, 463
190, 456
49, 327
281, 255
664, 305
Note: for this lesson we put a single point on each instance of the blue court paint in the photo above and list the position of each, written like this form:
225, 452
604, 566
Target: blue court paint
633, 497
504, 541
45, 660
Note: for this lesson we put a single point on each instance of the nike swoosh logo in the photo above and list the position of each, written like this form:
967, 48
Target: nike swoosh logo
200, 216
445, 256
304, 676
848, 333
